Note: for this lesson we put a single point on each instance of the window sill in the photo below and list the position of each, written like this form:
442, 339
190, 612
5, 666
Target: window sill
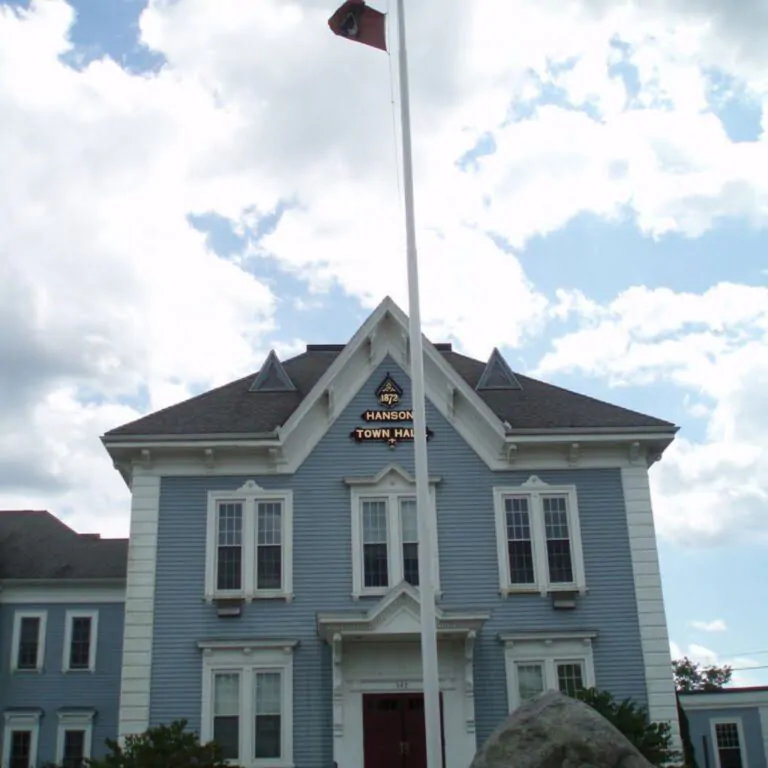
37, 671
270, 594
243, 597
88, 671
528, 589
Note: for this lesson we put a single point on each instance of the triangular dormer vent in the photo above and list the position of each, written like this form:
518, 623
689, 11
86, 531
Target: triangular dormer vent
272, 377
497, 374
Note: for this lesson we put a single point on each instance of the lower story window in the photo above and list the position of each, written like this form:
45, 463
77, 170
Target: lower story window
248, 703
73, 748
20, 738
21, 749
727, 738
548, 662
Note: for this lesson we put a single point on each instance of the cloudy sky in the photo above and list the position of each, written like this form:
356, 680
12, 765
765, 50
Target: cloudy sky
188, 184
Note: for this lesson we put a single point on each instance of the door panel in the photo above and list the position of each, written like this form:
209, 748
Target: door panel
383, 731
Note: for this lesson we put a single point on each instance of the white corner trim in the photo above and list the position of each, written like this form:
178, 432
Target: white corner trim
21, 721
16, 637
246, 662
74, 721
654, 638
139, 604
764, 727
533, 489
249, 495
547, 650
713, 723
68, 621
390, 488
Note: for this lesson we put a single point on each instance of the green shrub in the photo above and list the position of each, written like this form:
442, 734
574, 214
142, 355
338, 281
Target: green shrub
166, 746
653, 740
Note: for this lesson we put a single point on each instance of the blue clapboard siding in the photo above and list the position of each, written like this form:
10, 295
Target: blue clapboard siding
53, 689
323, 574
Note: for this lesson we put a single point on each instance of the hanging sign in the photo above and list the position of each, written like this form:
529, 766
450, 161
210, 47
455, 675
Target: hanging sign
389, 394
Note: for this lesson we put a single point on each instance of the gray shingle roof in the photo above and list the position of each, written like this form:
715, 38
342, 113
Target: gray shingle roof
233, 409
34, 544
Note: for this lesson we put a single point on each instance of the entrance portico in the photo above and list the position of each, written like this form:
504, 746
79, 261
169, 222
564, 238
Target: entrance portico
377, 651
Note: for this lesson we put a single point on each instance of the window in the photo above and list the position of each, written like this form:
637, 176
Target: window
727, 738
385, 541
250, 543
75, 734
80, 637
538, 663
20, 738
539, 538
28, 644
248, 701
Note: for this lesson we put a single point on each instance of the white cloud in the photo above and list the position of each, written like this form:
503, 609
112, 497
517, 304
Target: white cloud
713, 345
716, 625
746, 671
116, 298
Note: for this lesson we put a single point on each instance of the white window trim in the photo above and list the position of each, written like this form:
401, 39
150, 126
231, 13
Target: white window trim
246, 659
70, 616
550, 650
249, 495
740, 729
41, 633
74, 721
391, 491
21, 721
534, 489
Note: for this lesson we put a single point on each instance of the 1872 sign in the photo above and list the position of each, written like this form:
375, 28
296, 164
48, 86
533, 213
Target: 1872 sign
389, 395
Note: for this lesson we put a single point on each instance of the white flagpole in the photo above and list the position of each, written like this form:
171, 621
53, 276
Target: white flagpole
423, 508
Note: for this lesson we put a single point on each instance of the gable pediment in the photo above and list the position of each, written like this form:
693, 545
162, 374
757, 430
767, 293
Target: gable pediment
384, 336
398, 613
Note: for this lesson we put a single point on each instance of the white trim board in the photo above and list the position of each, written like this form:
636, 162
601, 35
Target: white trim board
139, 604
43, 594
725, 699
654, 637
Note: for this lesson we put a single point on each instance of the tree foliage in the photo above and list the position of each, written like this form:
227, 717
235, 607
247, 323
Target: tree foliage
165, 746
690, 676
653, 740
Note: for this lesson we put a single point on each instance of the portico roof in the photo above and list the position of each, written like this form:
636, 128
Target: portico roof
397, 615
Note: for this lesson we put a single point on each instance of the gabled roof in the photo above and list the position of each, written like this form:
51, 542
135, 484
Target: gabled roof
34, 544
234, 409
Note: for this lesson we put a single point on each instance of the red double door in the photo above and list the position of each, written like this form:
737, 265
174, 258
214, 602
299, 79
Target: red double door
393, 730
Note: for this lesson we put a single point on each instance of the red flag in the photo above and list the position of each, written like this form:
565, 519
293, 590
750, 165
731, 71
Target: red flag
357, 21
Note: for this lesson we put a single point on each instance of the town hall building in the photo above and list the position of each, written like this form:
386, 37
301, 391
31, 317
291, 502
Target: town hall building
270, 591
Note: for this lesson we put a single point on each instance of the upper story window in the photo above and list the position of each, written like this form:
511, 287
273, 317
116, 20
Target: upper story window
28, 641
248, 702
538, 538
385, 532
555, 662
80, 636
728, 740
250, 543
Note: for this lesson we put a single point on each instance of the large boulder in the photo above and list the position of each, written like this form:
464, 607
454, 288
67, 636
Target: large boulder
556, 731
